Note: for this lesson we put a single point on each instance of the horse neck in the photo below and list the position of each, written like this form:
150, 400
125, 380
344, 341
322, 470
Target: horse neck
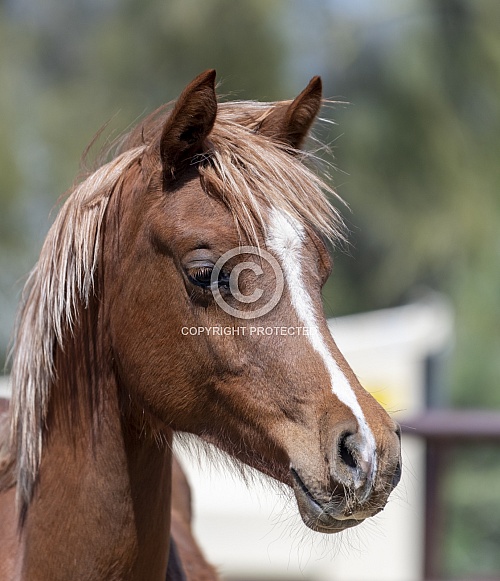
101, 508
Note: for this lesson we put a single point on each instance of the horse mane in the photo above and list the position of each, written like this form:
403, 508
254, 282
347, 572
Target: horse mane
62, 279
247, 171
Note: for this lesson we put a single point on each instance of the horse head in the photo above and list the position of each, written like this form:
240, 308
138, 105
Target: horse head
215, 256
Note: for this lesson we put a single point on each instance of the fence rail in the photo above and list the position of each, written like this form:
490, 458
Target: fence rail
464, 425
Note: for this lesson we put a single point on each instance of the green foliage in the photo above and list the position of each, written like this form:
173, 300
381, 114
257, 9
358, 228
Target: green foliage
67, 68
420, 143
470, 500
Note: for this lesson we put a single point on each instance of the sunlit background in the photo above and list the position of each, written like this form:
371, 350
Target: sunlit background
416, 142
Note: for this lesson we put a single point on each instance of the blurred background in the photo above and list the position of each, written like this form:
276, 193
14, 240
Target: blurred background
416, 142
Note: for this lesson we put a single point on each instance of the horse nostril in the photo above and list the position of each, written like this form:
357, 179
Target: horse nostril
354, 465
345, 453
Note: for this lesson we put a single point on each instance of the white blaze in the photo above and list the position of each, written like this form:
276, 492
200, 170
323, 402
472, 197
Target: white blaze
285, 237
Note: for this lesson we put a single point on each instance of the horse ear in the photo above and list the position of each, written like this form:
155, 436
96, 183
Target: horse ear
190, 122
290, 123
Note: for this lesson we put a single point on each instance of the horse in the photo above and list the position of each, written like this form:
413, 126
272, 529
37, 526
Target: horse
179, 290
186, 561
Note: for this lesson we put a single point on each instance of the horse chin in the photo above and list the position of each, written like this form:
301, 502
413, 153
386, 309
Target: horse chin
321, 519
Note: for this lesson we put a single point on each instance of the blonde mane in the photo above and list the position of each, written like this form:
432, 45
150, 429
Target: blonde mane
63, 276
248, 171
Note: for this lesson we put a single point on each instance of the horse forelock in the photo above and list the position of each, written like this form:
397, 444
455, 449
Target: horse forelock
252, 173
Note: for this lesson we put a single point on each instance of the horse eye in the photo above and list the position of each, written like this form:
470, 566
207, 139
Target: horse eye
201, 276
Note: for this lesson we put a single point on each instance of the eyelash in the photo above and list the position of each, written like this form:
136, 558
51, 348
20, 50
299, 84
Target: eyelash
202, 277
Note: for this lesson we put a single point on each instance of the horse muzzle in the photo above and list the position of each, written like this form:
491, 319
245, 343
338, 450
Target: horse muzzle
330, 515
351, 489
